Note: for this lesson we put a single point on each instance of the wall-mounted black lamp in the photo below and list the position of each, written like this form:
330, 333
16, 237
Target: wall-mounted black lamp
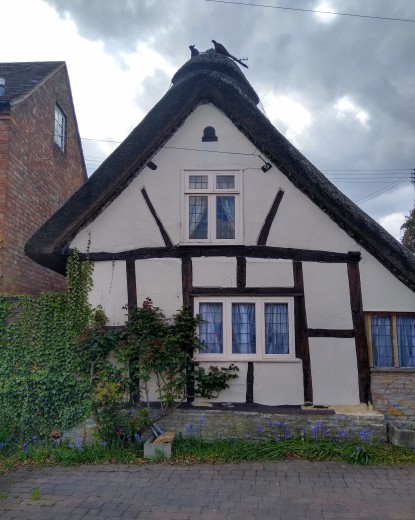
266, 166
151, 165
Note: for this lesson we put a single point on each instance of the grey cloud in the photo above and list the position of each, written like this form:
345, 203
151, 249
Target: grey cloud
369, 60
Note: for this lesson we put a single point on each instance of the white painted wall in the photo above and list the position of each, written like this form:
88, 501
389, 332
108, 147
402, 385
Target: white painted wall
278, 383
264, 272
124, 225
327, 299
381, 291
161, 280
334, 371
236, 393
214, 272
110, 290
127, 224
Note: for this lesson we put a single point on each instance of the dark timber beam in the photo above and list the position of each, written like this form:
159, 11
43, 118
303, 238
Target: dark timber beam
187, 281
241, 272
131, 284
302, 349
132, 304
301, 255
362, 352
250, 383
163, 232
245, 291
266, 228
330, 333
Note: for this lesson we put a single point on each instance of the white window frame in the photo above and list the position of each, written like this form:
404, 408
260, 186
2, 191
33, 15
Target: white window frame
60, 128
212, 192
260, 355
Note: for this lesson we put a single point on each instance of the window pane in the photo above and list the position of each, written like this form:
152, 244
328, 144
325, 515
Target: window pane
225, 217
381, 341
243, 328
198, 217
276, 328
59, 128
211, 327
198, 182
225, 182
405, 328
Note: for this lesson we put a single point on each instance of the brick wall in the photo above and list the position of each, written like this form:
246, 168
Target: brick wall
40, 178
393, 392
5, 124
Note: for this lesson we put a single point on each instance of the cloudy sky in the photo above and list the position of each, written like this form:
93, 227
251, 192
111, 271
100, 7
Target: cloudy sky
340, 88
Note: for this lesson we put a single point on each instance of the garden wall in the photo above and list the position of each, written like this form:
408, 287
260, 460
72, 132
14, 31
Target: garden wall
214, 424
393, 392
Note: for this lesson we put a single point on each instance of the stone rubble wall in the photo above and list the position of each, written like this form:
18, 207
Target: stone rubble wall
216, 424
393, 392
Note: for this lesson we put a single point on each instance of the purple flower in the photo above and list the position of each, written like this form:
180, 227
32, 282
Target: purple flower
259, 428
189, 428
287, 434
364, 435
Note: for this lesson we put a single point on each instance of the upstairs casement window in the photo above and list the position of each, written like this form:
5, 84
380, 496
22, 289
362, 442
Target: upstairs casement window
391, 339
212, 207
60, 128
240, 329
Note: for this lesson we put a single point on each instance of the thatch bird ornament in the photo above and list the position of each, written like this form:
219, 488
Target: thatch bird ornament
220, 49
193, 51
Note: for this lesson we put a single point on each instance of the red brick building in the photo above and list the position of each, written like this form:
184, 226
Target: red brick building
41, 165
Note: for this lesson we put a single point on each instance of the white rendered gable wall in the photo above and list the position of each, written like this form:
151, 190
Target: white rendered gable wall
127, 224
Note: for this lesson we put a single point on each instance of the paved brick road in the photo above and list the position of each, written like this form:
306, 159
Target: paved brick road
296, 490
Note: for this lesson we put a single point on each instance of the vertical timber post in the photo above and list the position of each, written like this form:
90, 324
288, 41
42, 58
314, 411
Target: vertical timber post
302, 349
187, 285
362, 352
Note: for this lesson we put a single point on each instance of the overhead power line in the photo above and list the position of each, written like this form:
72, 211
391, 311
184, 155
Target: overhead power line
317, 11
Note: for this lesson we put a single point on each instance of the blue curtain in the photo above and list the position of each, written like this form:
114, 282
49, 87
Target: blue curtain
225, 217
405, 327
382, 341
243, 328
276, 328
211, 327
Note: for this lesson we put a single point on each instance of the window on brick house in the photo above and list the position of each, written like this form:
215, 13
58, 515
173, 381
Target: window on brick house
212, 209
391, 339
236, 328
60, 128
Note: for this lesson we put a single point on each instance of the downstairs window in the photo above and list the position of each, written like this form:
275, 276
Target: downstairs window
391, 339
245, 328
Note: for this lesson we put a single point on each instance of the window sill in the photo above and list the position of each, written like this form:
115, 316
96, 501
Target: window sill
410, 370
245, 359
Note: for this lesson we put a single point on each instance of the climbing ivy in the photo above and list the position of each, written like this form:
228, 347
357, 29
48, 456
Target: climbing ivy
42, 385
57, 363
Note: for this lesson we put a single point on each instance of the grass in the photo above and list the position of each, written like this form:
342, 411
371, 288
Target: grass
227, 451
275, 444
35, 494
